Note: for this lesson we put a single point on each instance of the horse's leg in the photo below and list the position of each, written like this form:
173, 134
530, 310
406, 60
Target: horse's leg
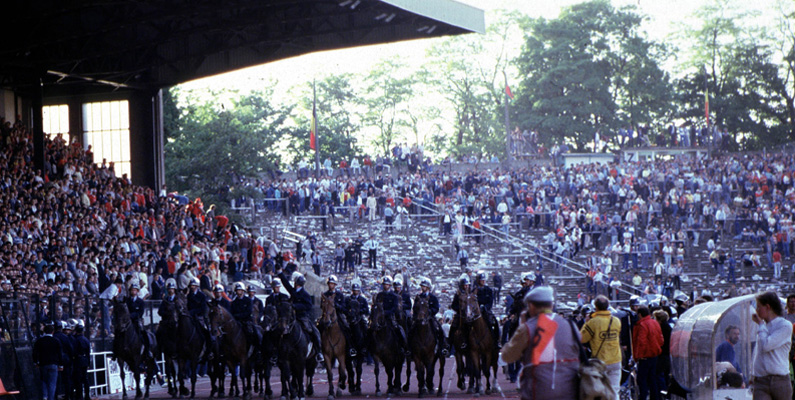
487, 371
309, 369
349, 365
419, 367
442, 361
377, 383
459, 369
137, 377
268, 373
121, 375
358, 365
407, 386
343, 376
329, 361
476, 369
284, 375
299, 381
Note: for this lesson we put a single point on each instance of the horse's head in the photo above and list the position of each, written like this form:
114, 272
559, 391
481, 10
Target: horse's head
377, 318
169, 313
472, 307
286, 317
421, 316
329, 312
216, 317
121, 316
270, 319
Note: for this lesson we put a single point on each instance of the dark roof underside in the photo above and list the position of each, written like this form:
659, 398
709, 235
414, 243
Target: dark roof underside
81, 46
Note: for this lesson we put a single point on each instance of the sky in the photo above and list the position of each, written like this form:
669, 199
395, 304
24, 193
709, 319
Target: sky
664, 18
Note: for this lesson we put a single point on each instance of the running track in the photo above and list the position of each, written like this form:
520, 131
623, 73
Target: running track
507, 389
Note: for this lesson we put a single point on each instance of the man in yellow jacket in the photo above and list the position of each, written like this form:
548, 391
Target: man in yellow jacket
601, 331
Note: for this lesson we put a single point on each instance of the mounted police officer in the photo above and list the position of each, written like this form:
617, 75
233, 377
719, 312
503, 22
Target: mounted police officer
528, 282
218, 296
302, 303
391, 303
356, 309
242, 311
67, 353
458, 298
433, 309
256, 304
197, 308
277, 296
339, 305
405, 302
171, 291
485, 301
82, 353
135, 305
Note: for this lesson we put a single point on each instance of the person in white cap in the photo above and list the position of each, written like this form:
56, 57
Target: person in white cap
548, 347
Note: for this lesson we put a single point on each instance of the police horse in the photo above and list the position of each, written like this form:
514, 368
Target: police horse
422, 343
128, 348
234, 348
384, 348
295, 356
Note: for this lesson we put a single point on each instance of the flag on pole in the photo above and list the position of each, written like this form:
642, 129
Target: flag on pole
313, 127
508, 91
706, 104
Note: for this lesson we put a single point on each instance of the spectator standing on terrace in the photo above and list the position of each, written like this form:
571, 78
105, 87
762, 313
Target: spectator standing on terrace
647, 341
773, 343
601, 332
47, 356
389, 216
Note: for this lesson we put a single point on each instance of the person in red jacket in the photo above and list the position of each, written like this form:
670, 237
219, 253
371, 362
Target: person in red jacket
647, 342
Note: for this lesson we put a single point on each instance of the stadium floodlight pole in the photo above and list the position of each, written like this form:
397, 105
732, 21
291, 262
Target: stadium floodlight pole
507, 122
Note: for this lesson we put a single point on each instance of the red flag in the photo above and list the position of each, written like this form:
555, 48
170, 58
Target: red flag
508, 91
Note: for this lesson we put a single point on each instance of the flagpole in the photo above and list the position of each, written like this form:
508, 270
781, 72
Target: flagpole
507, 122
317, 136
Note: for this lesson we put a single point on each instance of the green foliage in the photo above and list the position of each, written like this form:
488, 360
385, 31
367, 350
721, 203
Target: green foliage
215, 145
749, 94
468, 71
385, 99
337, 123
590, 69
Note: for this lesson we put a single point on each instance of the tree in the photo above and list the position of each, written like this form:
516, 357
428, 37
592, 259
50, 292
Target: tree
337, 124
590, 69
215, 146
389, 88
749, 92
468, 71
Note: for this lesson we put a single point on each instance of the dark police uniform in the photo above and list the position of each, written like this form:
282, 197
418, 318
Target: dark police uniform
392, 303
433, 309
135, 305
67, 352
82, 352
242, 310
276, 298
456, 307
302, 303
197, 308
485, 301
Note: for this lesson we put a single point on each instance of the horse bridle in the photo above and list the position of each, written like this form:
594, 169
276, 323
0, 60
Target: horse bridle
332, 312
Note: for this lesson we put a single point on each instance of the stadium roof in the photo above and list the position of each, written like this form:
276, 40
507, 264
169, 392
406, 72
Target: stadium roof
84, 45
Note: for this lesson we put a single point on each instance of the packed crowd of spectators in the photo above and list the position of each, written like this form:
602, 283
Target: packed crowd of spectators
76, 231
76, 228
637, 223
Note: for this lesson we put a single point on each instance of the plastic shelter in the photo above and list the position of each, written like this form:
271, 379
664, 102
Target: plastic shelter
696, 338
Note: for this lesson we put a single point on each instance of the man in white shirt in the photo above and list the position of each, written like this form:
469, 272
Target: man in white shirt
773, 342
372, 251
